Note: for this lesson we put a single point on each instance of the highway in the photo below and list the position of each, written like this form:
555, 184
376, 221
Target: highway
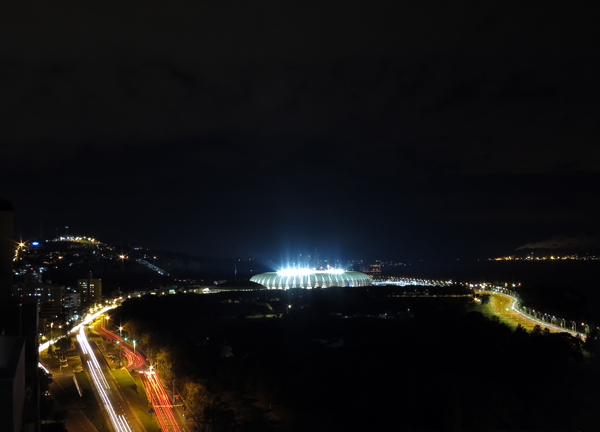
161, 403
122, 418
166, 416
86, 321
504, 306
115, 407
133, 359
76, 419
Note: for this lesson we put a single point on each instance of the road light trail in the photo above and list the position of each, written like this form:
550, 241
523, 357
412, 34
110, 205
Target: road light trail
158, 409
154, 388
134, 359
119, 422
164, 400
160, 401
85, 322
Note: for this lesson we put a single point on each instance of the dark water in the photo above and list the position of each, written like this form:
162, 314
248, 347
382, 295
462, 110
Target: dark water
505, 271
583, 275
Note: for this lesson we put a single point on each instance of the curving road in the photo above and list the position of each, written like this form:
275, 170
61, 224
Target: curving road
166, 415
504, 306
134, 359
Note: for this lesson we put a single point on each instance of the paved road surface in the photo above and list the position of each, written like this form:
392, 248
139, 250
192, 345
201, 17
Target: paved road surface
76, 420
502, 306
122, 417
169, 417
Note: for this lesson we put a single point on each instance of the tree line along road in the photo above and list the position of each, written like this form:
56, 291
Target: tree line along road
501, 306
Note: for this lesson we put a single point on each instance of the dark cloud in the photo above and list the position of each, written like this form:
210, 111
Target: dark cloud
559, 242
420, 122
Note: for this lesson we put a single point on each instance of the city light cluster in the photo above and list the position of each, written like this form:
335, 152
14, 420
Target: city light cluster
76, 239
546, 258
90, 317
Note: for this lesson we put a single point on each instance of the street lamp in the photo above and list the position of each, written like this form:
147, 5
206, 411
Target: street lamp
121, 331
120, 354
134, 341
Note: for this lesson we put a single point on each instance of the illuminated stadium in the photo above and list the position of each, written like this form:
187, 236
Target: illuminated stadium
306, 278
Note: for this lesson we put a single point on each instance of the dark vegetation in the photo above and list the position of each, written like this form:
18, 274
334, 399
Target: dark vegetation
336, 362
559, 300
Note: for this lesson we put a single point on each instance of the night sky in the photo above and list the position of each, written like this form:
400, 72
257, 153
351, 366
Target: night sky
391, 130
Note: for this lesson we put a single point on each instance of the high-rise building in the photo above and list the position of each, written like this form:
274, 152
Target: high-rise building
12, 381
90, 289
7, 250
32, 286
19, 382
72, 300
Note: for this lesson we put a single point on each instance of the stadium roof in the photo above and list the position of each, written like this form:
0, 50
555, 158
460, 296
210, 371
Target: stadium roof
302, 278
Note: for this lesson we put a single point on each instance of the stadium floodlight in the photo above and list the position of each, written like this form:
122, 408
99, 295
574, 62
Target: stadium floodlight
295, 272
335, 271
311, 278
